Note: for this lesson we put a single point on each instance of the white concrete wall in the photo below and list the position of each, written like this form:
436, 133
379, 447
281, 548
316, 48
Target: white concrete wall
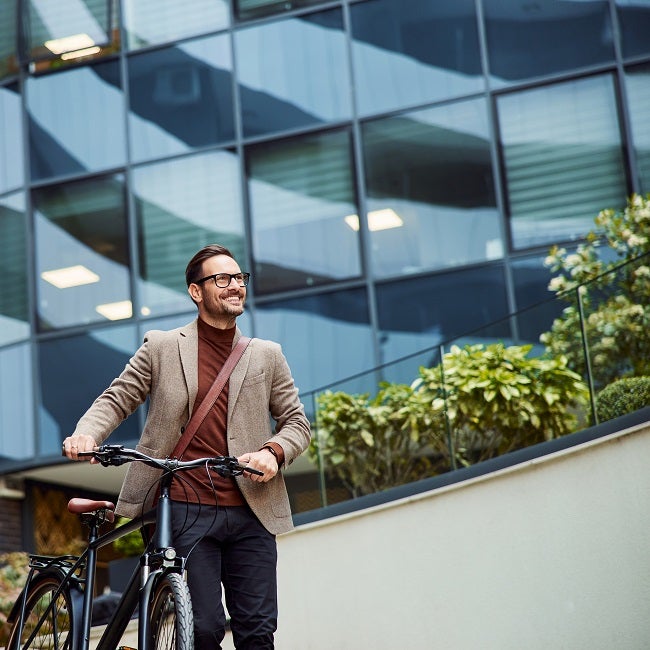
551, 554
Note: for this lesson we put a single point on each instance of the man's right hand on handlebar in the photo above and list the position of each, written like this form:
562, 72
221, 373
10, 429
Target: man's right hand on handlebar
72, 445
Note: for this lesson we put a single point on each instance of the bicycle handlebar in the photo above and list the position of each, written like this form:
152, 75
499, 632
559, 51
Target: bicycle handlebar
115, 455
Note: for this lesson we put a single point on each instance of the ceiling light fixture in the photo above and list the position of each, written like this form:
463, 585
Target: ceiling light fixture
69, 43
70, 276
377, 220
116, 310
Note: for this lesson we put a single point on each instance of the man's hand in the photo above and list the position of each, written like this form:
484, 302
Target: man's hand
263, 461
72, 445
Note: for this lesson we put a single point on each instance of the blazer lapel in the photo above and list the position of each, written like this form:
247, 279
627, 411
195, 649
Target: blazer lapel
188, 348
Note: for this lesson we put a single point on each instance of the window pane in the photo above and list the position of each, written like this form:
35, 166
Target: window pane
413, 52
14, 308
281, 90
336, 324
180, 98
11, 151
17, 399
82, 262
254, 8
634, 21
301, 192
562, 157
428, 311
430, 189
637, 82
181, 206
73, 372
66, 30
65, 110
8, 41
530, 39
148, 22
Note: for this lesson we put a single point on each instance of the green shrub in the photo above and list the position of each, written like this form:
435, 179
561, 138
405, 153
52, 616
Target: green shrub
622, 396
130, 545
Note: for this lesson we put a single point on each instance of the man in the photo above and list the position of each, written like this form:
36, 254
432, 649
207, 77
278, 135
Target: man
232, 541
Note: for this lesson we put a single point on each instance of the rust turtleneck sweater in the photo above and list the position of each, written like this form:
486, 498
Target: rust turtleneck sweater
210, 440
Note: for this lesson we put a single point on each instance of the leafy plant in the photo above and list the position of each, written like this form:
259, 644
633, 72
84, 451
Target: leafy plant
623, 396
498, 398
131, 544
14, 568
493, 398
373, 444
615, 298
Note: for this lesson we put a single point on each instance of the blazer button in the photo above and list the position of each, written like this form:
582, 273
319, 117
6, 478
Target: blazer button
182, 429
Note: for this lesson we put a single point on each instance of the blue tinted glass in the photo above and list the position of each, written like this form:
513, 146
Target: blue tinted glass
247, 9
303, 207
634, 21
530, 39
11, 145
180, 98
76, 121
334, 326
82, 263
418, 313
563, 158
14, 294
181, 206
148, 22
17, 399
415, 52
280, 89
73, 372
430, 189
637, 83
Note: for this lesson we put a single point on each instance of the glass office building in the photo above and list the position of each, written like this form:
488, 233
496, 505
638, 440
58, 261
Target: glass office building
391, 172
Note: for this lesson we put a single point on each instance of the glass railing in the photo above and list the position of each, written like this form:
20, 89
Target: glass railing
493, 390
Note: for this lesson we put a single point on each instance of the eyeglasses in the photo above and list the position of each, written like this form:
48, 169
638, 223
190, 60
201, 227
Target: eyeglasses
223, 280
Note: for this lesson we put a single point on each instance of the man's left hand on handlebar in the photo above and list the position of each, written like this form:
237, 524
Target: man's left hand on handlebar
72, 445
263, 461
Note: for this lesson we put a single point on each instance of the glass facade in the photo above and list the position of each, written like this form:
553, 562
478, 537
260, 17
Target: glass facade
391, 173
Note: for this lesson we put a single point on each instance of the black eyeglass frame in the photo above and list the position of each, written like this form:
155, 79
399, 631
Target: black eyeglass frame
245, 278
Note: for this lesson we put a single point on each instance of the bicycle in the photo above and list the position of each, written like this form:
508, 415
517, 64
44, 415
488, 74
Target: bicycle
54, 609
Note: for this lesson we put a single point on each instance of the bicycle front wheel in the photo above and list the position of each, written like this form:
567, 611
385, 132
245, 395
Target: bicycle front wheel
48, 618
170, 615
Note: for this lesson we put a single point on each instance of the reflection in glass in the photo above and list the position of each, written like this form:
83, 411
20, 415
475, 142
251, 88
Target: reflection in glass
418, 313
531, 39
148, 22
414, 52
65, 111
562, 158
247, 9
67, 30
281, 89
14, 307
17, 399
181, 206
180, 98
637, 82
8, 40
82, 263
431, 173
73, 372
634, 23
302, 201
11, 149
324, 337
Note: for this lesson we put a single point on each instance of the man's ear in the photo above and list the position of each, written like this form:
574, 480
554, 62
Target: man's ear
195, 292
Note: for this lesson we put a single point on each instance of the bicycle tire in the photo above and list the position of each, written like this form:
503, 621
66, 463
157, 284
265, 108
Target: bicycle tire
171, 622
43, 629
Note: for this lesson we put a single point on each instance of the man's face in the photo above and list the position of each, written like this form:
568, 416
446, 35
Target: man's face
219, 306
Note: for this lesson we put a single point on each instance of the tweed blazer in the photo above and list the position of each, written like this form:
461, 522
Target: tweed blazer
165, 369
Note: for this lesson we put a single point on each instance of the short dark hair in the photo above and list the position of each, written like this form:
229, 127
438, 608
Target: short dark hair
195, 265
